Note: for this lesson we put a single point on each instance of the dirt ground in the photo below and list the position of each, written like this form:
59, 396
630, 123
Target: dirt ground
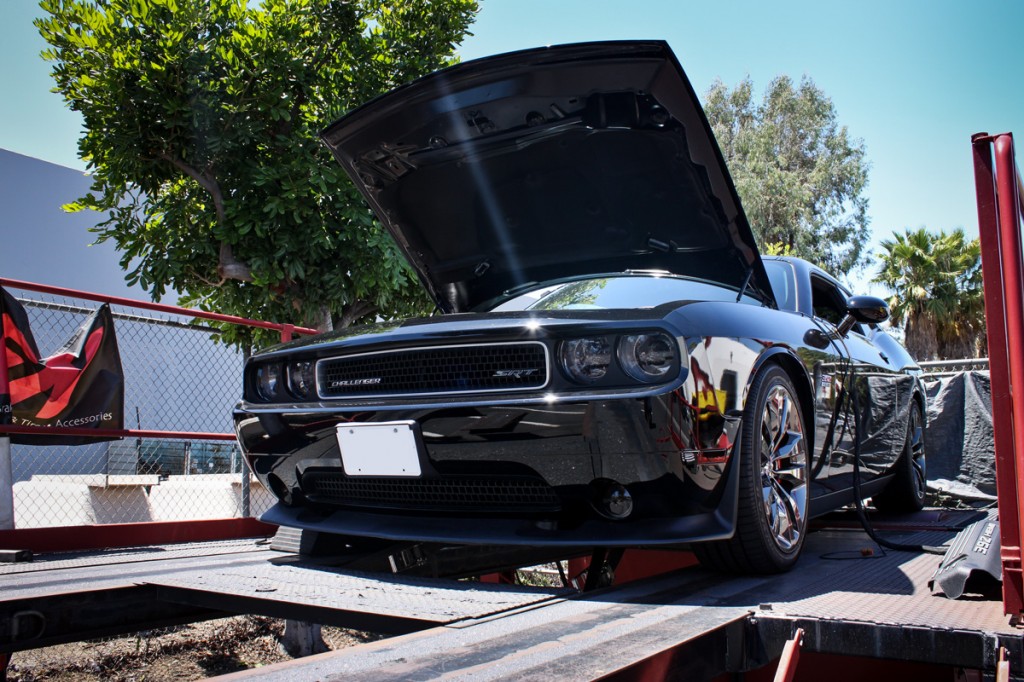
188, 652
192, 652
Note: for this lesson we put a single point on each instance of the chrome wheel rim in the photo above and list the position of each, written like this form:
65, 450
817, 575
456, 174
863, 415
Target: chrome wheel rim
918, 462
783, 469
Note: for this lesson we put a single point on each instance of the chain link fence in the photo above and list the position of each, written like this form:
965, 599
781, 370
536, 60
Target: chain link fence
940, 368
177, 379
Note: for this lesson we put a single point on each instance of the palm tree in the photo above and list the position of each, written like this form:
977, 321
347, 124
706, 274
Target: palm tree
935, 280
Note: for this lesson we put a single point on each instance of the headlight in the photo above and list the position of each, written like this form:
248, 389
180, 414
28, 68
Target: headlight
647, 357
586, 360
268, 381
302, 379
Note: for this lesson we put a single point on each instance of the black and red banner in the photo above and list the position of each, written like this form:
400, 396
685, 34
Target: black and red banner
80, 386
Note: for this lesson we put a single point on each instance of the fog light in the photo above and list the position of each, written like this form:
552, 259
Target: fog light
615, 501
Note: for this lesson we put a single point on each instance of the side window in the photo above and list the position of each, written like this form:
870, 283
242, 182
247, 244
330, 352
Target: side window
828, 301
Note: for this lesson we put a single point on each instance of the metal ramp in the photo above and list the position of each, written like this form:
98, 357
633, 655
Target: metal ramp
60, 598
846, 601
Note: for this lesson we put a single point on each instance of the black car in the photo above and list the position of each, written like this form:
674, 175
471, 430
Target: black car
613, 363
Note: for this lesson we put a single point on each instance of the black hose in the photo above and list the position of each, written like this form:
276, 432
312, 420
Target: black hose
864, 522
846, 403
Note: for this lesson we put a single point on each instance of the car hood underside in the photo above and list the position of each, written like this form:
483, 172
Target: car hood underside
546, 164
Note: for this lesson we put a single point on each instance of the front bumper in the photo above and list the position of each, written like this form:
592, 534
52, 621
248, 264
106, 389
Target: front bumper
713, 524
506, 473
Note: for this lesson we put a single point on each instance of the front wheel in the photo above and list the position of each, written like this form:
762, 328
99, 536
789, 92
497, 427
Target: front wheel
772, 460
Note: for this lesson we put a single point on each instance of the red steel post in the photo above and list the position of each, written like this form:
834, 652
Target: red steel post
790, 657
996, 186
1013, 292
1003, 666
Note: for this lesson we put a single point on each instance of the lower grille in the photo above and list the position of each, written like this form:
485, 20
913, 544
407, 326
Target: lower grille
448, 493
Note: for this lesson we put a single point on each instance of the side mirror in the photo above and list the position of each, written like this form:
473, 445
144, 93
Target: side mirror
869, 309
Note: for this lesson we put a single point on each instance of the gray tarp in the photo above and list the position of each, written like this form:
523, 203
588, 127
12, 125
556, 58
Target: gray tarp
959, 439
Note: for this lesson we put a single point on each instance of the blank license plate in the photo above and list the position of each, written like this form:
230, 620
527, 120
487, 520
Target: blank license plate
382, 449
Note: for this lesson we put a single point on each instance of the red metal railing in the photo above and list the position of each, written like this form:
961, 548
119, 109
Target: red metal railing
1000, 207
287, 331
131, 533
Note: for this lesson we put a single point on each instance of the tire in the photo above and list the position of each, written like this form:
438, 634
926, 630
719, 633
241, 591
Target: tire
907, 490
773, 470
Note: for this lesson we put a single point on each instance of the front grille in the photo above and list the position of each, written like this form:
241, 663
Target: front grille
437, 370
448, 493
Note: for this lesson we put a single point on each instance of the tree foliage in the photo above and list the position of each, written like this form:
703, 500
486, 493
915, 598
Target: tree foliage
800, 175
201, 121
937, 292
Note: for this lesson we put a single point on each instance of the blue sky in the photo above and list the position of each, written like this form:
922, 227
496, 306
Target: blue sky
912, 78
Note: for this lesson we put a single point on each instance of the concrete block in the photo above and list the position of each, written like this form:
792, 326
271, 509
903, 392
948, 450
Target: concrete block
205, 496
47, 503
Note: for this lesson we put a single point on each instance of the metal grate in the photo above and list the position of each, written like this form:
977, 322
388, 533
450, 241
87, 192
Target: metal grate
437, 370
449, 493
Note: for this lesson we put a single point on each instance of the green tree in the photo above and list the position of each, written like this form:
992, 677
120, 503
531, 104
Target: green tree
935, 280
800, 175
201, 121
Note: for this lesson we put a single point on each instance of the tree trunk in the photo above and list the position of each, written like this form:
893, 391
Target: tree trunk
355, 311
324, 321
959, 347
229, 267
920, 332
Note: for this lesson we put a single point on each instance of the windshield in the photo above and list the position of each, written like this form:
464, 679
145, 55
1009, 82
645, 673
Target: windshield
620, 291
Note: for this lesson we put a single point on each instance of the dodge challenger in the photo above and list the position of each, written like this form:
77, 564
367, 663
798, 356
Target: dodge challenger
612, 363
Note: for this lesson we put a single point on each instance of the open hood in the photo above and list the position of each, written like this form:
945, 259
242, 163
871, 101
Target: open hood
545, 164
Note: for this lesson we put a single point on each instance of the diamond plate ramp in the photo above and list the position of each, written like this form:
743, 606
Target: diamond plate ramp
335, 596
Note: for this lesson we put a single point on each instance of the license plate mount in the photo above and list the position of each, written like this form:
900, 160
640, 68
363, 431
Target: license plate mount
379, 449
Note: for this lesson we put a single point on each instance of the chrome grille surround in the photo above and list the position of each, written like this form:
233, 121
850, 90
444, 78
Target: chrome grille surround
435, 371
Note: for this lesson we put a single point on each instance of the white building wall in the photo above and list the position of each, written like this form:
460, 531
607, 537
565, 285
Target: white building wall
176, 379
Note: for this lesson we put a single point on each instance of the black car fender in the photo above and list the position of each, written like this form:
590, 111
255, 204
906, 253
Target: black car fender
787, 358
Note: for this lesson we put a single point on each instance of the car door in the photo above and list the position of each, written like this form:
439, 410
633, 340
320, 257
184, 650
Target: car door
866, 425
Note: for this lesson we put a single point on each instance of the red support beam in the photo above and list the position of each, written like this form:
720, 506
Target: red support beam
997, 186
79, 538
1013, 292
790, 657
637, 564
